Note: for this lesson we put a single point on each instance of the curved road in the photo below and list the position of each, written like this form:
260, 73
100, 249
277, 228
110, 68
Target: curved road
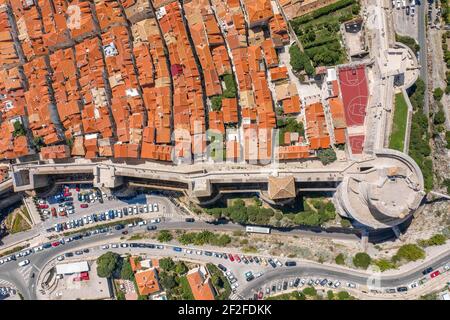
11, 272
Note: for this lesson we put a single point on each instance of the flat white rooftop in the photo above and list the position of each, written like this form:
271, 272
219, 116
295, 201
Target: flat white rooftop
69, 268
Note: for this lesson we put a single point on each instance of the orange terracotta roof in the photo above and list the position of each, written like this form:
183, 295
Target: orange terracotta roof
201, 288
147, 282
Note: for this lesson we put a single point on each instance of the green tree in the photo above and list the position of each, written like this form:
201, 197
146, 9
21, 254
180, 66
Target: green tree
362, 260
164, 236
330, 295
340, 259
181, 268
126, 271
435, 240
439, 117
326, 156
107, 264
437, 94
19, 130
166, 264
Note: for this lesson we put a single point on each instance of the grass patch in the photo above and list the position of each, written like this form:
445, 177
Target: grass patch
19, 224
13, 250
397, 138
319, 30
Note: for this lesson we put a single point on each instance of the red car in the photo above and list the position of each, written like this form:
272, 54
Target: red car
54, 212
435, 274
237, 258
67, 194
231, 257
260, 295
84, 205
43, 206
55, 244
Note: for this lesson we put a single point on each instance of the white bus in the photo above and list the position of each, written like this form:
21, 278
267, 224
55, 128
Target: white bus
257, 229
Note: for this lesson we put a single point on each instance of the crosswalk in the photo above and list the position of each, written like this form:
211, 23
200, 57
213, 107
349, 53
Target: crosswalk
5, 284
236, 296
26, 271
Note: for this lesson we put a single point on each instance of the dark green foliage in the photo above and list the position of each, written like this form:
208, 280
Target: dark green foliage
216, 103
419, 148
409, 252
107, 264
340, 259
362, 260
220, 282
300, 61
19, 130
435, 240
126, 272
323, 11
437, 94
410, 42
230, 86
164, 236
166, 264
204, 237
326, 156
310, 291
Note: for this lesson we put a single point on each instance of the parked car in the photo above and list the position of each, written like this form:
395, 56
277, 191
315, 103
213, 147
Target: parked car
290, 263
427, 271
84, 205
222, 267
189, 219
435, 274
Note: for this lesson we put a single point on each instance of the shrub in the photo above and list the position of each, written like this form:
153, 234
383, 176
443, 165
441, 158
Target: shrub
436, 240
310, 291
164, 236
340, 259
216, 103
362, 260
409, 252
326, 156
437, 94
385, 264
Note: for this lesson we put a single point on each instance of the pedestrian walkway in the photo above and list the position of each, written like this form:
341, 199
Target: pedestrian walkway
236, 296
26, 271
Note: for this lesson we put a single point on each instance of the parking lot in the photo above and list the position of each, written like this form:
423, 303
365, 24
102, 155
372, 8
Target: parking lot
405, 17
75, 206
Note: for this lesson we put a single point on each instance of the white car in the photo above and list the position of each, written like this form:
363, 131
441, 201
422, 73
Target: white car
105, 246
278, 262
199, 252
258, 274
351, 285
337, 284
413, 285
150, 208
188, 251
40, 248
60, 258
114, 245
124, 245
24, 263
155, 207
447, 267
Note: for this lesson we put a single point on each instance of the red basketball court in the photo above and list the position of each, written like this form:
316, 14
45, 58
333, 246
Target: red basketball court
356, 143
354, 94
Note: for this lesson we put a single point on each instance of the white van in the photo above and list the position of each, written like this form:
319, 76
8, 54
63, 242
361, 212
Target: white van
24, 263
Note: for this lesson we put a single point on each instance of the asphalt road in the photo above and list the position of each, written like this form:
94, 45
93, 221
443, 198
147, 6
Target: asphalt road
421, 11
27, 286
334, 272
